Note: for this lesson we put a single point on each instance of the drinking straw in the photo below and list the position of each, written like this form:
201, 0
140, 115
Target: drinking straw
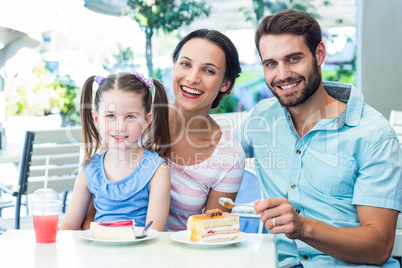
46, 172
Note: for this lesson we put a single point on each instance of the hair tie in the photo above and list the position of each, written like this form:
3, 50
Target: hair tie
98, 79
148, 81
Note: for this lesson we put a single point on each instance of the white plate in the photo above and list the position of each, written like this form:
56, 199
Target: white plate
182, 237
151, 233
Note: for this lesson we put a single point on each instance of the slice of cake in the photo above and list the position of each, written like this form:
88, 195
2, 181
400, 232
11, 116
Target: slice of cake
118, 230
213, 226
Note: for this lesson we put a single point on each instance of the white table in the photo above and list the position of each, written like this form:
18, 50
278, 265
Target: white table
19, 249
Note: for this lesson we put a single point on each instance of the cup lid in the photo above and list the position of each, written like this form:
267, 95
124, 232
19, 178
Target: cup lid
45, 195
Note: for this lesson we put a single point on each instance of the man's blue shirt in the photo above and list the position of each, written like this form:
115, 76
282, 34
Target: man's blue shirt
353, 159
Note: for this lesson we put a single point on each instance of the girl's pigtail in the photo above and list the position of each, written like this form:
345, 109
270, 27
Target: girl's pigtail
89, 131
157, 132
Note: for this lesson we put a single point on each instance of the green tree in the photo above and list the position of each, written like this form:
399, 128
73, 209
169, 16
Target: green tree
122, 61
165, 15
260, 7
40, 93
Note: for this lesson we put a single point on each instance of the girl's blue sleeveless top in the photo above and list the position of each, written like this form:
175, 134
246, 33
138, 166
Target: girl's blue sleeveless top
125, 199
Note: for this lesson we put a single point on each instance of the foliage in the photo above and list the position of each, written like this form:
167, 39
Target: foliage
248, 74
260, 7
340, 74
123, 60
166, 15
66, 99
40, 93
343, 71
228, 104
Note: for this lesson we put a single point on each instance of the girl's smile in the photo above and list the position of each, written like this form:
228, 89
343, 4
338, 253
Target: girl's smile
119, 138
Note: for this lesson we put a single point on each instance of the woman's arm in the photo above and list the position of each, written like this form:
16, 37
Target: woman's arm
213, 202
79, 204
159, 198
230, 183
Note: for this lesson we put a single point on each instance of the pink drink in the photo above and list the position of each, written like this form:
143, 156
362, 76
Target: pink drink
45, 228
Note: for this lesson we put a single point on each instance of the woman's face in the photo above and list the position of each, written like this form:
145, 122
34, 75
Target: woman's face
199, 75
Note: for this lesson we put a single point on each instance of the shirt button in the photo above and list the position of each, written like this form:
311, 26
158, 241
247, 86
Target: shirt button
288, 117
298, 152
298, 211
305, 257
293, 186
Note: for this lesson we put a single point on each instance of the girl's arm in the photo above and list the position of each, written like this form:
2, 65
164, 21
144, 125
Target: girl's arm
90, 217
78, 206
159, 198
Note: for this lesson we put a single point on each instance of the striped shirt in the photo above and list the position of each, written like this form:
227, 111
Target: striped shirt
190, 185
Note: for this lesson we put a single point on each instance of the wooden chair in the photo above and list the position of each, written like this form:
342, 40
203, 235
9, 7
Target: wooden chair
62, 148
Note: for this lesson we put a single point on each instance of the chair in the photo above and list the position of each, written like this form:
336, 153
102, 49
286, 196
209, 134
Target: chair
395, 119
397, 251
249, 191
62, 148
8, 174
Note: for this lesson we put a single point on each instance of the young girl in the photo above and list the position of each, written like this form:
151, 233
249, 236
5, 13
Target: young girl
127, 181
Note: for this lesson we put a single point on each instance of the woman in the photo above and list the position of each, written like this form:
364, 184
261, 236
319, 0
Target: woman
206, 162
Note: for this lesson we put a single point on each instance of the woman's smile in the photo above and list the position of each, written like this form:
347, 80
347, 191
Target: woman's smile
191, 92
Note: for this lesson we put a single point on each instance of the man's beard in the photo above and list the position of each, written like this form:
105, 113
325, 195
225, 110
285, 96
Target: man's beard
314, 80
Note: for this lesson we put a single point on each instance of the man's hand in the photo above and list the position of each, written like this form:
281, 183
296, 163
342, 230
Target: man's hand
280, 217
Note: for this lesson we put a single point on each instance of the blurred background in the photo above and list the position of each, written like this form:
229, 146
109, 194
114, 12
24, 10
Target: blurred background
48, 48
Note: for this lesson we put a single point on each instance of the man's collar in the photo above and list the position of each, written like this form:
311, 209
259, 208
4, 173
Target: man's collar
348, 94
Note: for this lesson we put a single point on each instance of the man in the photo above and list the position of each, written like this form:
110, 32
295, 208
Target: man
328, 164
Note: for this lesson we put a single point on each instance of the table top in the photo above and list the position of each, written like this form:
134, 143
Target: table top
19, 249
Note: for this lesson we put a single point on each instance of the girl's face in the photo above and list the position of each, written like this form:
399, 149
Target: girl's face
121, 118
199, 75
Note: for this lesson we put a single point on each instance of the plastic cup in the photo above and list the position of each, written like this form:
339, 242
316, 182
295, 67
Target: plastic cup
45, 206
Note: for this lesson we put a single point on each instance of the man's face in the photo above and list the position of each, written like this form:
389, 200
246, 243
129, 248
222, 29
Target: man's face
290, 70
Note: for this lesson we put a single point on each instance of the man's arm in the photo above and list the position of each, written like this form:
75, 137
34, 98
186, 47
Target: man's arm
370, 243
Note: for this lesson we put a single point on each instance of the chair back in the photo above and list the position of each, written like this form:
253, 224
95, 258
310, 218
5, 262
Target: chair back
61, 147
249, 192
397, 251
395, 119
